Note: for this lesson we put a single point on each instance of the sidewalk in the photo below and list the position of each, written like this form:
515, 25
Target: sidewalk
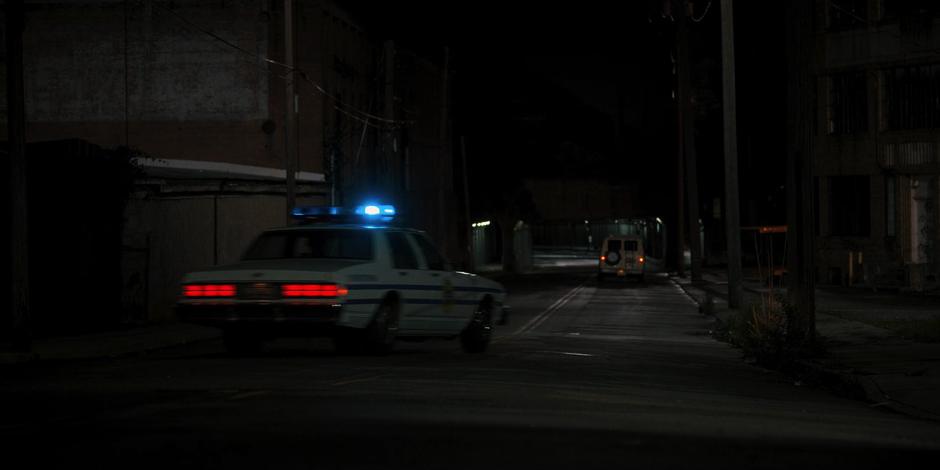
112, 343
863, 360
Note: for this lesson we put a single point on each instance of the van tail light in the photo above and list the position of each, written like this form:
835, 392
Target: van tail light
313, 290
209, 290
642, 260
603, 258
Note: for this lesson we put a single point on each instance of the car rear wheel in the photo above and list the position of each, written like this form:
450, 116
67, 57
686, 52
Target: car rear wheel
381, 333
475, 338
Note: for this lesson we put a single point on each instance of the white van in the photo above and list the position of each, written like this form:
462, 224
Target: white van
621, 256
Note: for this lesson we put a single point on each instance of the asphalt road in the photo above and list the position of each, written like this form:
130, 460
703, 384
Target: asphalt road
621, 374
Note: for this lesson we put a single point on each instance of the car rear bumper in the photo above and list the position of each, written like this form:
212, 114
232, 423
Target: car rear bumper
621, 270
271, 318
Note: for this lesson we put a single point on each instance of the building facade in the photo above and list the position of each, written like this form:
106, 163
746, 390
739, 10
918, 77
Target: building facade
200, 91
877, 145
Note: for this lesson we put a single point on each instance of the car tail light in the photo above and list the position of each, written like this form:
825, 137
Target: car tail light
209, 290
642, 260
603, 258
313, 290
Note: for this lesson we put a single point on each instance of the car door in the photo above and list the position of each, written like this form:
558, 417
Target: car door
451, 315
406, 277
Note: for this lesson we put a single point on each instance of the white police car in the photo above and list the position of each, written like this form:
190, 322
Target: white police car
354, 277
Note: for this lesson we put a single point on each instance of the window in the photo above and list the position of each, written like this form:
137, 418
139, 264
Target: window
613, 245
912, 97
629, 245
848, 103
432, 256
849, 206
318, 244
847, 14
403, 256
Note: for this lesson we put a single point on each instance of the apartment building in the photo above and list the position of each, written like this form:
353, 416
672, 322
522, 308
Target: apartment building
877, 151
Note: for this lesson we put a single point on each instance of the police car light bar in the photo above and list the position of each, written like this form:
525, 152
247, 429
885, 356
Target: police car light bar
376, 210
363, 213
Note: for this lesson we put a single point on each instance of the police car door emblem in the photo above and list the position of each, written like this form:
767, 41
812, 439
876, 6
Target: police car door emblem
448, 300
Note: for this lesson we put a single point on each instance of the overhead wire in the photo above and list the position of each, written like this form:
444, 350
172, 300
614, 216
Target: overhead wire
339, 104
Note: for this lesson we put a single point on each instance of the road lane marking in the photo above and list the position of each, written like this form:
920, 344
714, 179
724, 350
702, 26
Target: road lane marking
567, 353
558, 305
242, 396
356, 380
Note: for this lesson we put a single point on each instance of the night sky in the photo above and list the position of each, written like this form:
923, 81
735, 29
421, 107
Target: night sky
601, 76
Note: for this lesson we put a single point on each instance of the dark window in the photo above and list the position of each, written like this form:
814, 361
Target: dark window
613, 245
849, 206
319, 244
848, 103
403, 256
910, 13
629, 245
912, 97
847, 14
431, 254
890, 206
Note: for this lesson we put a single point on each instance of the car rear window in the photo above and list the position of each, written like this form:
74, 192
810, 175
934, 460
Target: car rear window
613, 245
315, 244
629, 245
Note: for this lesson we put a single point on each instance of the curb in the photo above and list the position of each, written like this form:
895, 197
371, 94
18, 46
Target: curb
845, 383
14, 359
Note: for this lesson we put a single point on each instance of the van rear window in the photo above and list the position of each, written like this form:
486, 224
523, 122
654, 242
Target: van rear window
613, 245
629, 245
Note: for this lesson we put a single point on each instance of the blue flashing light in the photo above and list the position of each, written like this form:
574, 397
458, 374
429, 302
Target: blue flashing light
368, 213
376, 210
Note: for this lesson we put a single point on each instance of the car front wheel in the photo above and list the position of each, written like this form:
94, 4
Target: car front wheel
476, 336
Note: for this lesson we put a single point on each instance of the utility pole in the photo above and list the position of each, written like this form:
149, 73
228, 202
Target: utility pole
466, 206
687, 137
290, 107
443, 177
390, 143
801, 286
729, 114
16, 130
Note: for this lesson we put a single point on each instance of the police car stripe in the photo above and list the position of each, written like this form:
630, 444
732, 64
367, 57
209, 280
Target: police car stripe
411, 301
420, 287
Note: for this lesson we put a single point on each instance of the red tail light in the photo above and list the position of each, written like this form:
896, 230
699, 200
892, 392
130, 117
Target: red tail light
642, 260
209, 290
603, 258
313, 290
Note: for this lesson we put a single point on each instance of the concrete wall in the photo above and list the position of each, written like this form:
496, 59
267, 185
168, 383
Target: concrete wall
165, 237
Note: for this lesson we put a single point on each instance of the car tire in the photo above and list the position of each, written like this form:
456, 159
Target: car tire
241, 343
381, 332
475, 338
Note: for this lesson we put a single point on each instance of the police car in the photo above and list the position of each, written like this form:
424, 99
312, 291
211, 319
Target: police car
352, 275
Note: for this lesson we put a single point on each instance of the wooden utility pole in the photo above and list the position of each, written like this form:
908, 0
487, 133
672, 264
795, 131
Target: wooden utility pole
729, 114
466, 205
687, 137
442, 167
16, 133
389, 147
801, 284
290, 108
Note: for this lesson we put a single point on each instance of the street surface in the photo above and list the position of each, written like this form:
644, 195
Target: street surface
616, 375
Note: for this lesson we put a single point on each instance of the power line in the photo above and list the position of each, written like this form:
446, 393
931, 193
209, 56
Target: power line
349, 110
699, 19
